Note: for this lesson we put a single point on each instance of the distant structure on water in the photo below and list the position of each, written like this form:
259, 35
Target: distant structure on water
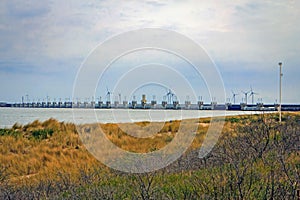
169, 102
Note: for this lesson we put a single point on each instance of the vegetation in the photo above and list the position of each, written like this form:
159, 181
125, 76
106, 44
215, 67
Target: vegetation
255, 158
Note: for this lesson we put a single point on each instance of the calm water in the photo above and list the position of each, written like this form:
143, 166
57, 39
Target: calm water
10, 116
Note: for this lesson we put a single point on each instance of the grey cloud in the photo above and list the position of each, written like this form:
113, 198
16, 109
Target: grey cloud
56, 36
27, 9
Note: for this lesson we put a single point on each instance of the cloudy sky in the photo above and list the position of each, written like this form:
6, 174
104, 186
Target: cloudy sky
43, 43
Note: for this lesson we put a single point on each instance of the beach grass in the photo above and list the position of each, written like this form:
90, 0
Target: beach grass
255, 157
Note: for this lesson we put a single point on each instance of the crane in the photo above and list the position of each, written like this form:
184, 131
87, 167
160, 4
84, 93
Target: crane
108, 95
170, 96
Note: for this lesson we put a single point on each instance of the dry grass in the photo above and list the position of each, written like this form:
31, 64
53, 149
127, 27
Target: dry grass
30, 151
27, 156
47, 160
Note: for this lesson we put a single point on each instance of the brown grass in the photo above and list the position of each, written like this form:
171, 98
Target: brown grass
25, 156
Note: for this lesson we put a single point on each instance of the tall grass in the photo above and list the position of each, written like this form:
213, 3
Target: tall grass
255, 158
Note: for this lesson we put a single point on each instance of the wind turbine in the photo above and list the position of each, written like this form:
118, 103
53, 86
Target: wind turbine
246, 96
252, 94
233, 96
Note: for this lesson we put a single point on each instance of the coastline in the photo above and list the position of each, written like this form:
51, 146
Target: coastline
10, 116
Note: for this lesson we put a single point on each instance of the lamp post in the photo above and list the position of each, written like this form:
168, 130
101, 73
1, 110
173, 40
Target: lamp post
280, 77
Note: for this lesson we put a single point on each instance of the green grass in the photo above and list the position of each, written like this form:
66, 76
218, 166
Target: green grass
42, 134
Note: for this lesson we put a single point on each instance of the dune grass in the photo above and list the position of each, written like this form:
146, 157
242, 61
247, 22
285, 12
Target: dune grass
50, 157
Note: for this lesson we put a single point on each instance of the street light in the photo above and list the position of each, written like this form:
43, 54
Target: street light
280, 77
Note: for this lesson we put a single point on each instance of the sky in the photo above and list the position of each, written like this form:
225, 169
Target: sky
44, 43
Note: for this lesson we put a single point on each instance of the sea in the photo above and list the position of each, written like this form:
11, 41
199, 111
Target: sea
23, 116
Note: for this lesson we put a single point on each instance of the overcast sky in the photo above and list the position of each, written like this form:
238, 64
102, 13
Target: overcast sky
43, 43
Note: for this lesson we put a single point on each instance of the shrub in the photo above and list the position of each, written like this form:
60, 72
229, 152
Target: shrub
42, 133
9, 132
233, 119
